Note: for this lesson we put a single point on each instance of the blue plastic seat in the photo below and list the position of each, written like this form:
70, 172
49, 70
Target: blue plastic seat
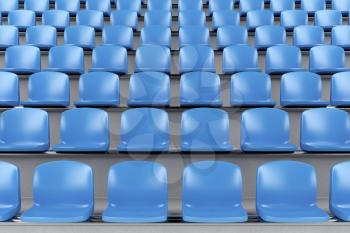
238, 58
196, 58
265, 130
302, 89
325, 130
137, 193
83, 130
158, 17
56, 198
200, 89
308, 36
286, 193
339, 191
215, 5
213, 179
41, 36
144, 60
194, 35
283, 59
257, 18
162, 5
110, 58
21, 19
250, 5
24, 130
8, 5
37, 6
340, 95
79, 35
251, 89
125, 18
90, 18
231, 35
311, 6
327, 59
9, 89
185, 5
129, 5
48, 89
278, 6
156, 35
205, 130
293, 18
328, 18
270, 35
72, 6
9, 36
144, 130
56, 18
341, 5
224, 18
100, 5
10, 191
22, 59
341, 36
98, 89
192, 17
149, 89
118, 35
67, 59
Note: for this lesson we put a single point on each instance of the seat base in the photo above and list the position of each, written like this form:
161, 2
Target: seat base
80, 148
325, 147
226, 215
92, 103
274, 148
112, 214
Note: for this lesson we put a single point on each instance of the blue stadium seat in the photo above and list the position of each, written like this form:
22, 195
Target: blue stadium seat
10, 191
200, 89
192, 17
98, 89
224, 18
110, 58
265, 130
144, 130
90, 18
149, 89
302, 89
41, 36
238, 58
21, 19
341, 5
80, 35
327, 59
145, 61
24, 130
37, 6
83, 130
283, 59
56, 18
22, 59
156, 35
9, 36
277, 6
270, 35
100, 5
56, 199
158, 17
340, 84
257, 18
293, 18
72, 6
67, 59
205, 130
118, 35
311, 6
125, 18
215, 5
341, 36
185, 5
9, 89
194, 35
162, 5
213, 179
286, 193
196, 58
138, 193
339, 191
328, 18
250, 5
231, 35
7, 6
251, 89
325, 130
48, 89
129, 5
308, 36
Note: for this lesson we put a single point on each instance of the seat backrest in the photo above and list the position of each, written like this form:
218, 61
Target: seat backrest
194, 35
283, 57
8, 5
129, 5
340, 83
196, 58
312, 6
156, 35
327, 57
100, 5
9, 88
56, 18
238, 58
163, 5
112, 58
306, 36
341, 5
231, 35
145, 61
158, 17
9, 36
220, 5
293, 18
36, 6
21, 18
328, 18
278, 6
192, 17
80, 35
257, 18
125, 18
249, 5
224, 18
72, 6
58, 57
341, 36
339, 186
23, 57
118, 35
270, 35
185, 5
10, 185
90, 18
42, 36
